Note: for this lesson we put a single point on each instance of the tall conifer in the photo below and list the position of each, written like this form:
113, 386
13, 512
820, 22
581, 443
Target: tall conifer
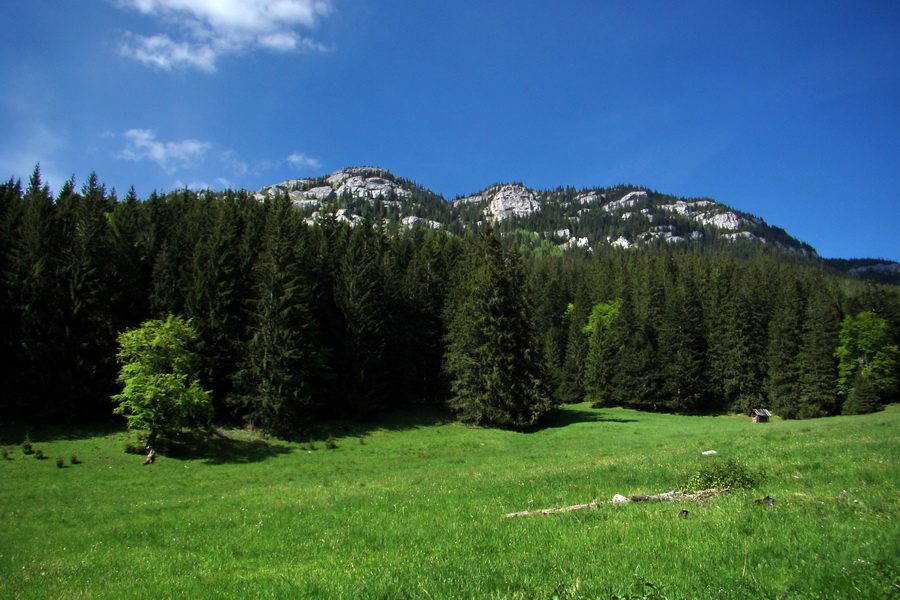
494, 360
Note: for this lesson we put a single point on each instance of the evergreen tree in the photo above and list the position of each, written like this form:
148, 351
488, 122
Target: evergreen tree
32, 276
361, 297
213, 296
494, 360
785, 335
284, 359
816, 388
862, 398
683, 349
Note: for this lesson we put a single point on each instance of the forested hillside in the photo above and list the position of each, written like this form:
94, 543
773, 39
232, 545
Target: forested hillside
303, 318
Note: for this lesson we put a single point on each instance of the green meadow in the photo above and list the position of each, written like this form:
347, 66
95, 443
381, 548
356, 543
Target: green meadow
413, 507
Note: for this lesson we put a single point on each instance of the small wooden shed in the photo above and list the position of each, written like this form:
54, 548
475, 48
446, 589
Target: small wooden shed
760, 415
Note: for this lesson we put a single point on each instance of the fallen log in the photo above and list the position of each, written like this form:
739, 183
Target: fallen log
673, 495
551, 511
668, 496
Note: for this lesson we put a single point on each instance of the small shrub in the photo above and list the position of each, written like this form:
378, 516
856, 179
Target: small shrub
729, 473
312, 444
362, 441
6, 454
330, 443
60, 462
26, 445
74, 460
39, 454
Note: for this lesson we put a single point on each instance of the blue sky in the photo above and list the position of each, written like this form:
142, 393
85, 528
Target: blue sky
786, 110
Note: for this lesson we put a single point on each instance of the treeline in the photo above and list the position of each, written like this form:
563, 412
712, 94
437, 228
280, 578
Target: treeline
299, 323
689, 334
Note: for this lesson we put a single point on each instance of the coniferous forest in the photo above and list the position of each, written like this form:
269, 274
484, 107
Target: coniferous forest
298, 324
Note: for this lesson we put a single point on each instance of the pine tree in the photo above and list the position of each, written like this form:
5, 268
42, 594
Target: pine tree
494, 360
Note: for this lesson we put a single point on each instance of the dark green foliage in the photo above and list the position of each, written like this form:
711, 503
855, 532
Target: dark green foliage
39, 454
60, 462
330, 443
817, 394
284, 360
26, 445
494, 360
297, 323
862, 398
721, 474
7, 456
74, 460
785, 337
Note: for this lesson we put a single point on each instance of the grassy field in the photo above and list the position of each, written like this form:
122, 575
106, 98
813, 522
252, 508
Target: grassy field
416, 512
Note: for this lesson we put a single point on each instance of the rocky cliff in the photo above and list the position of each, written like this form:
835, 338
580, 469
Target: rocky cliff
621, 216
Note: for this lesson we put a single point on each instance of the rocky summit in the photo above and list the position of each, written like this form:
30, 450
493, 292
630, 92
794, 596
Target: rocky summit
564, 218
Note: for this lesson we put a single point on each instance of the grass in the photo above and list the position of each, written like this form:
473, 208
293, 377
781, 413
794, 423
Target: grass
416, 512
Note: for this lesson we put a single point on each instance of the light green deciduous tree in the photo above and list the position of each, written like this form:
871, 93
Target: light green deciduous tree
159, 394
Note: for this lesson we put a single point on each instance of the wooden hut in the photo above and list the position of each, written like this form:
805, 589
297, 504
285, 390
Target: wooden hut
760, 415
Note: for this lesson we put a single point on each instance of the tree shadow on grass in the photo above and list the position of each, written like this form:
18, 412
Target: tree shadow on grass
218, 448
399, 420
12, 433
572, 416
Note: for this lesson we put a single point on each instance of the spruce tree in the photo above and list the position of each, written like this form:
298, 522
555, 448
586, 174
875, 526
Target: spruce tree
785, 335
494, 360
816, 387
284, 359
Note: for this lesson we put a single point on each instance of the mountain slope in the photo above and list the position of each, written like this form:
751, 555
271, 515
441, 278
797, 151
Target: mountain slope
621, 216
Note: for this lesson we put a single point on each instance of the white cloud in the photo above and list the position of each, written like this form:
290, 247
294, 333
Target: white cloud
301, 161
205, 30
164, 52
170, 156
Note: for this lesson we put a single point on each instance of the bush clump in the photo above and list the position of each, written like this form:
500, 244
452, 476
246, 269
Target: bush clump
27, 448
330, 443
60, 462
39, 454
728, 473
74, 460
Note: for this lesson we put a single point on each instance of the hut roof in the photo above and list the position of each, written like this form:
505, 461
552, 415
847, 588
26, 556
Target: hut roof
760, 412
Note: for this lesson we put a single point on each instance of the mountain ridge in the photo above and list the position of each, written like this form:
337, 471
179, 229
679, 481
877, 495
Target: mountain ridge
625, 216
